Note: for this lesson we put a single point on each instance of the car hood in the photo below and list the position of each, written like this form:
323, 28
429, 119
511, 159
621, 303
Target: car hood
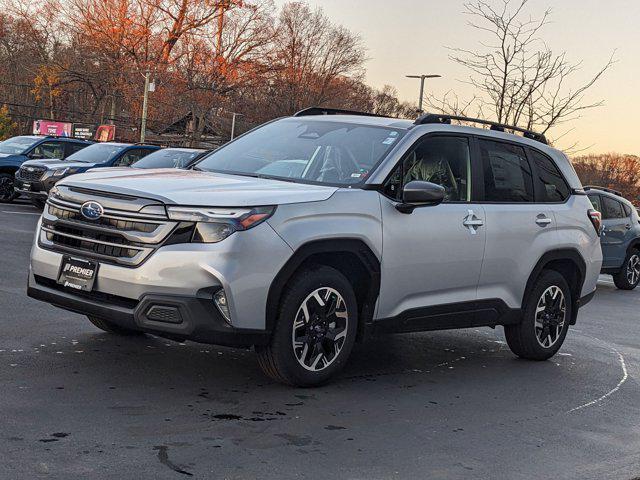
189, 187
8, 155
55, 163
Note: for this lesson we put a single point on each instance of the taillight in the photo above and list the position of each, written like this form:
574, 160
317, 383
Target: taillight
596, 220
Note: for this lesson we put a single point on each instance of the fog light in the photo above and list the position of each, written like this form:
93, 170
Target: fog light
220, 299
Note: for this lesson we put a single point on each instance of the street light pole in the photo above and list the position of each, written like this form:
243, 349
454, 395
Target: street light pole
233, 124
145, 100
422, 79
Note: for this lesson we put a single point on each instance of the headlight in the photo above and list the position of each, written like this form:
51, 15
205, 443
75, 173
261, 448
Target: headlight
215, 224
64, 171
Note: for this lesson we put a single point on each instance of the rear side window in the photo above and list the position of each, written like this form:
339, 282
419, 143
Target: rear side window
555, 189
75, 147
507, 174
595, 201
611, 209
627, 210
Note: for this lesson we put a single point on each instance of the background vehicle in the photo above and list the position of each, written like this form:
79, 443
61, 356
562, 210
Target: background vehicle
15, 151
171, 158
620, 238
479, 227
35, 178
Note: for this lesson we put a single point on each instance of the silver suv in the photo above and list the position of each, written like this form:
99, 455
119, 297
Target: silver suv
312, 232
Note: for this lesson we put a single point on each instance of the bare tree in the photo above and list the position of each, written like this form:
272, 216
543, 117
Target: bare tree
516, 75
612, 170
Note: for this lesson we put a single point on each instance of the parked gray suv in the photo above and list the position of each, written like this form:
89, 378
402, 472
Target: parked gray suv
620, 237
312, 232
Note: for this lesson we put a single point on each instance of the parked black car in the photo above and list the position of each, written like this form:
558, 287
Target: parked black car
171, 158
17, 150
35, 178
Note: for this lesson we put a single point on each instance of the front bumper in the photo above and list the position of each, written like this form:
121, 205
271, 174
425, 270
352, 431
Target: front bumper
244, 264
173, 316
38, 189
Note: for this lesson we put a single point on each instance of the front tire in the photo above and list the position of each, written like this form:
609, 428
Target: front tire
315, 330
7, 192
110, 327
545, 321
629, 275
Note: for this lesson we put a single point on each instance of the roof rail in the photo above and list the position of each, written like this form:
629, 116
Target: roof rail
314, 111
429, 118
604, 189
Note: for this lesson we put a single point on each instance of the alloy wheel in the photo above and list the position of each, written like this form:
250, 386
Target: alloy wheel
550, 316
320, 329
633, 269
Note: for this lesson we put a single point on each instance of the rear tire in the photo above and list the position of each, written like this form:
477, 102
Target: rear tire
315, 330
629, 275
7, 192
545, 321
110, 327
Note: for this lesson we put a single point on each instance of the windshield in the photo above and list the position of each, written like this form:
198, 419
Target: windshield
168, 158
96, 153
17, 145
306, 150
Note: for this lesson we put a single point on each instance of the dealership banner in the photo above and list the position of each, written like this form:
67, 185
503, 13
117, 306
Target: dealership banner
85, 131
105, 133
49, 127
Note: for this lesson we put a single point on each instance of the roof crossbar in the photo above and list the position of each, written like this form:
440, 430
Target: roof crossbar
314, 111
430, 118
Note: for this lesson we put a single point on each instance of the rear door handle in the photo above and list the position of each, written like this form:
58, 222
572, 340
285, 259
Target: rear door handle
627, 226
543, 220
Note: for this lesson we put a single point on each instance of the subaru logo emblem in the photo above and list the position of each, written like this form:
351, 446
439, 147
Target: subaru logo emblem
91, 210
29, 169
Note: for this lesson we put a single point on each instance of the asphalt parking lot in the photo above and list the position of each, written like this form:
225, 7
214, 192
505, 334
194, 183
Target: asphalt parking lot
79, 403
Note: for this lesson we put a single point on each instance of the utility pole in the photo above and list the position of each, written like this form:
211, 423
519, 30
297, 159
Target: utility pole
422, 79
233, 124
145, 100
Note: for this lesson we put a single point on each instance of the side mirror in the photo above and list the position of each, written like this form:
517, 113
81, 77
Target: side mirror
418, 193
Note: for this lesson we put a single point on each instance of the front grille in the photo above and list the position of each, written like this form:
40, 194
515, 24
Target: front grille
30, 174
120, 237
117, 224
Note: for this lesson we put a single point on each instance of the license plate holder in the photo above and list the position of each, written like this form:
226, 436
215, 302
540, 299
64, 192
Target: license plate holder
26, 186
78, 273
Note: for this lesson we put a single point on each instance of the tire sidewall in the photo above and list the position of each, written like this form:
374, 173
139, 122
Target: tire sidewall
300, 286
547, 279
11, 198
621, 280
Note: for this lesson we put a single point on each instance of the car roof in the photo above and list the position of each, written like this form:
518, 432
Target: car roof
116, 144
605, 193
183, 149
359, 120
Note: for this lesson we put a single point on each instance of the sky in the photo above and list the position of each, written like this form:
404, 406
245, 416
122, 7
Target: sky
411, 37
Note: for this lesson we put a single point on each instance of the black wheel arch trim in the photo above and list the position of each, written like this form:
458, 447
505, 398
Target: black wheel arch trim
576, 258
635, 243
334, 245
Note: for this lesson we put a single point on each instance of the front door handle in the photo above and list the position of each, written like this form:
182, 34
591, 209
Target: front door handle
472, 222
543, 220
627, 226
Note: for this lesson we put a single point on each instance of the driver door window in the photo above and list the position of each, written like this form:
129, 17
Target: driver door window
445, 161
48, 150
